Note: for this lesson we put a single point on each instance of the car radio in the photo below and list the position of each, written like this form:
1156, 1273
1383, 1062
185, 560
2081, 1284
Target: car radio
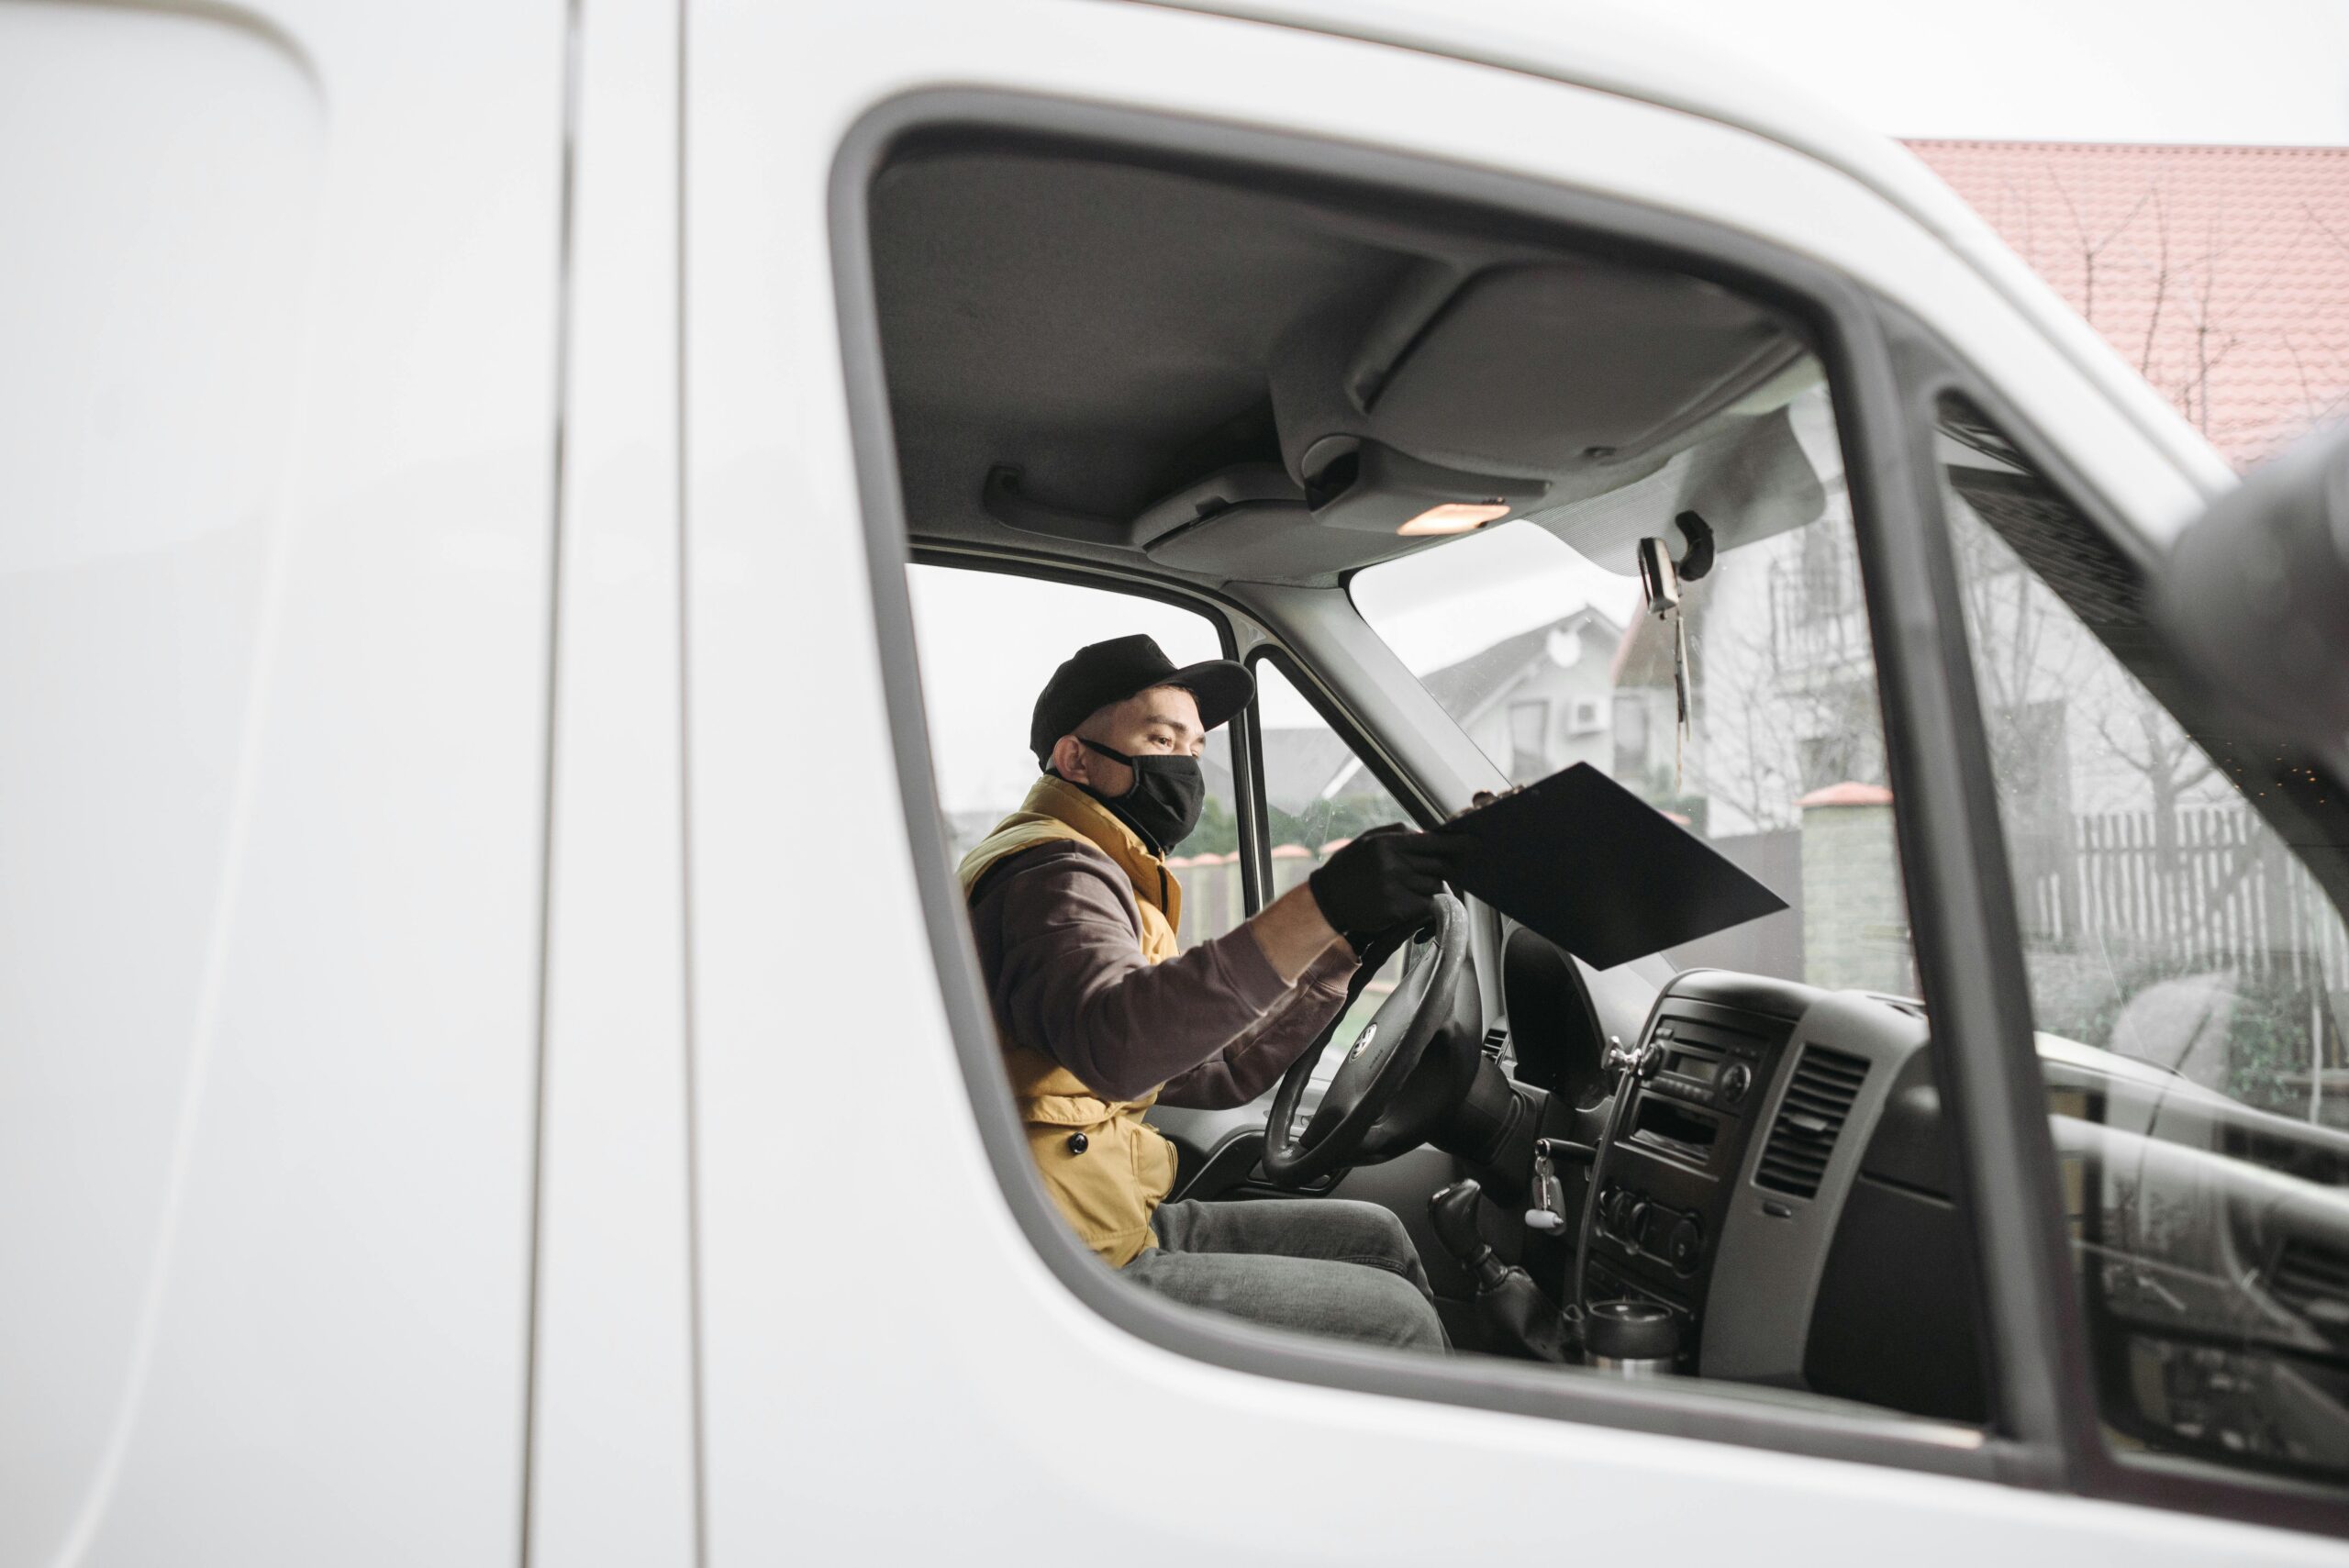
1661, 1185
1706, 1067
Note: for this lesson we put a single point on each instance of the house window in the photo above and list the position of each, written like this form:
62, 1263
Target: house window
1814, 589
1827, 571
1846, 746
1529, 724
1631, 736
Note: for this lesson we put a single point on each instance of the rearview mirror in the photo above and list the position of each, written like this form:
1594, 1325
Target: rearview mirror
2255, 594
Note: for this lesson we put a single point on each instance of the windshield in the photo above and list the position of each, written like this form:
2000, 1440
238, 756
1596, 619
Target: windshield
1534, 636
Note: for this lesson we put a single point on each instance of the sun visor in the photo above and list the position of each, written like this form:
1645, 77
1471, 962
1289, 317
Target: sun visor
1543, 370
1536, 371
1757, 477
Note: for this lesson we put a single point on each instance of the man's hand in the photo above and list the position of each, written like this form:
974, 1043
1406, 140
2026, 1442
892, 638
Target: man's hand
1388, 877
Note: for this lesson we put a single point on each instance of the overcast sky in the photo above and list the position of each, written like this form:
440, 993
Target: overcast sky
2243, 71
2209, 70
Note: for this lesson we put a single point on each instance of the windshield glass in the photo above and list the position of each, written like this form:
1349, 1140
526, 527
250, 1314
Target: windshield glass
1535, 637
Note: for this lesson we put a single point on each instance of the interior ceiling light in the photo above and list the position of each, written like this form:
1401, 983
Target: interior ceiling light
1455, 518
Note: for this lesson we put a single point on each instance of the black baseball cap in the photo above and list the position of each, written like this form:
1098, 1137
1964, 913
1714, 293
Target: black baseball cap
1104, 673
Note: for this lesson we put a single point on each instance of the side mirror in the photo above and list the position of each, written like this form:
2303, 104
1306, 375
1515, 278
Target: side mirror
2255, 595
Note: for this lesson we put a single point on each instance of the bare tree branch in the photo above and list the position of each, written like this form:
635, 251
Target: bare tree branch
2161, 289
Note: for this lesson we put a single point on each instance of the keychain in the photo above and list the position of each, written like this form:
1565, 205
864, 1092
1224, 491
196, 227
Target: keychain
1660, 580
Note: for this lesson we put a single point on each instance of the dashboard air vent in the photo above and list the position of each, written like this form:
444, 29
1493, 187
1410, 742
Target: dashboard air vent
1809, 1119
2313, 1280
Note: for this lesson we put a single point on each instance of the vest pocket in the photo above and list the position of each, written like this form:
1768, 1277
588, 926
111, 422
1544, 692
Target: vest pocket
1154, 1163
1090, 1177
1105, 1173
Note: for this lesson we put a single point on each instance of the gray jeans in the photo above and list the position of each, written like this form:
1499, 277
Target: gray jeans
1327, 1266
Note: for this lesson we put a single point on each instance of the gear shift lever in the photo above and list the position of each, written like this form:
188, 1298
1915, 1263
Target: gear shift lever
1515, 1316
1453, 1212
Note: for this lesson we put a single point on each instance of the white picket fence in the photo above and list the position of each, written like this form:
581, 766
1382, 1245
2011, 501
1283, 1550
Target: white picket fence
2221, 892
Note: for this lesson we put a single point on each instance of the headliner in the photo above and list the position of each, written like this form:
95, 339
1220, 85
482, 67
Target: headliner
1115, 332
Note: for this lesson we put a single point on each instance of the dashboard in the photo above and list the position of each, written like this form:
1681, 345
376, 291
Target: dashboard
1772, 1172
1777, 1172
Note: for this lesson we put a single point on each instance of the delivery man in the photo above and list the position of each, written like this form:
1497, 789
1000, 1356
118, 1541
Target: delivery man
1074, 914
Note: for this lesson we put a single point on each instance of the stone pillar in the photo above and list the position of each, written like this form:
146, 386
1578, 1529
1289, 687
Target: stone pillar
1854, 917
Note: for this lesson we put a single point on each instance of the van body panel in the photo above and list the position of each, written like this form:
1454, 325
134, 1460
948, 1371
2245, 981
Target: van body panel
611, 1474
280, 301
1049, 1401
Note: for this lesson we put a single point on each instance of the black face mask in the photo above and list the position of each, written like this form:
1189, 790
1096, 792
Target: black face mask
1165, 799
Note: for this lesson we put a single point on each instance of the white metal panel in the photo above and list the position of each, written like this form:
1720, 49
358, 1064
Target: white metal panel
149, 324
611, 1474
277, 611
890, 1369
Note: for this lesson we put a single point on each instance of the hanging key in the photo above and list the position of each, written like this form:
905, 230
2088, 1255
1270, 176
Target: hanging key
1660, 580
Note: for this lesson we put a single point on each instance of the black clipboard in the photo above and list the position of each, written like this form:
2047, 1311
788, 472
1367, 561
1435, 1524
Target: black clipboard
1582, 860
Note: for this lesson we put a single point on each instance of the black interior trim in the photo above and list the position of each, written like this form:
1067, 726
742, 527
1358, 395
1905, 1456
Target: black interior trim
1554, 1032
1759, 1417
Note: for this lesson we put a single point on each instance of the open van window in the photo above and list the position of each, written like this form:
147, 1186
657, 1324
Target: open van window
1208, 386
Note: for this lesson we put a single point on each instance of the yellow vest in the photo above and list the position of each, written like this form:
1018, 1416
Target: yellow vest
1125, 1169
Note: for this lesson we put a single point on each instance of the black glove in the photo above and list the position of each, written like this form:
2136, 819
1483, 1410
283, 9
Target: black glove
1388, 877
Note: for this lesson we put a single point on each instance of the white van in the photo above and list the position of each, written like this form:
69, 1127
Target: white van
527, 536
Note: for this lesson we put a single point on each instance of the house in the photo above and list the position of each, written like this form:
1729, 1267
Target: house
1535, 702
1540, 700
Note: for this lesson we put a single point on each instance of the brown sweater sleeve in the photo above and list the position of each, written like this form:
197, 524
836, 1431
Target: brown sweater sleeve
1059, 939
1254, 1062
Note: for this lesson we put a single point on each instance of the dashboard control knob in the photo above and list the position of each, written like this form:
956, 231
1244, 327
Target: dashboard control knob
1635, 1221
1615, 1207
1736, 1078
1685, 1246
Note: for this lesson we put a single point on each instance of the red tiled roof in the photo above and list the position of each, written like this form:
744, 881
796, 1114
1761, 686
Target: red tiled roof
1847, 793
2221, 272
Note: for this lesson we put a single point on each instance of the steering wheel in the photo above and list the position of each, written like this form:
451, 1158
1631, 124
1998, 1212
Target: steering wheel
1365, 1114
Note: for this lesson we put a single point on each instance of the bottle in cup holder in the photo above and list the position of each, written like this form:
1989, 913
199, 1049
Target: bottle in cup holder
1629, 1339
